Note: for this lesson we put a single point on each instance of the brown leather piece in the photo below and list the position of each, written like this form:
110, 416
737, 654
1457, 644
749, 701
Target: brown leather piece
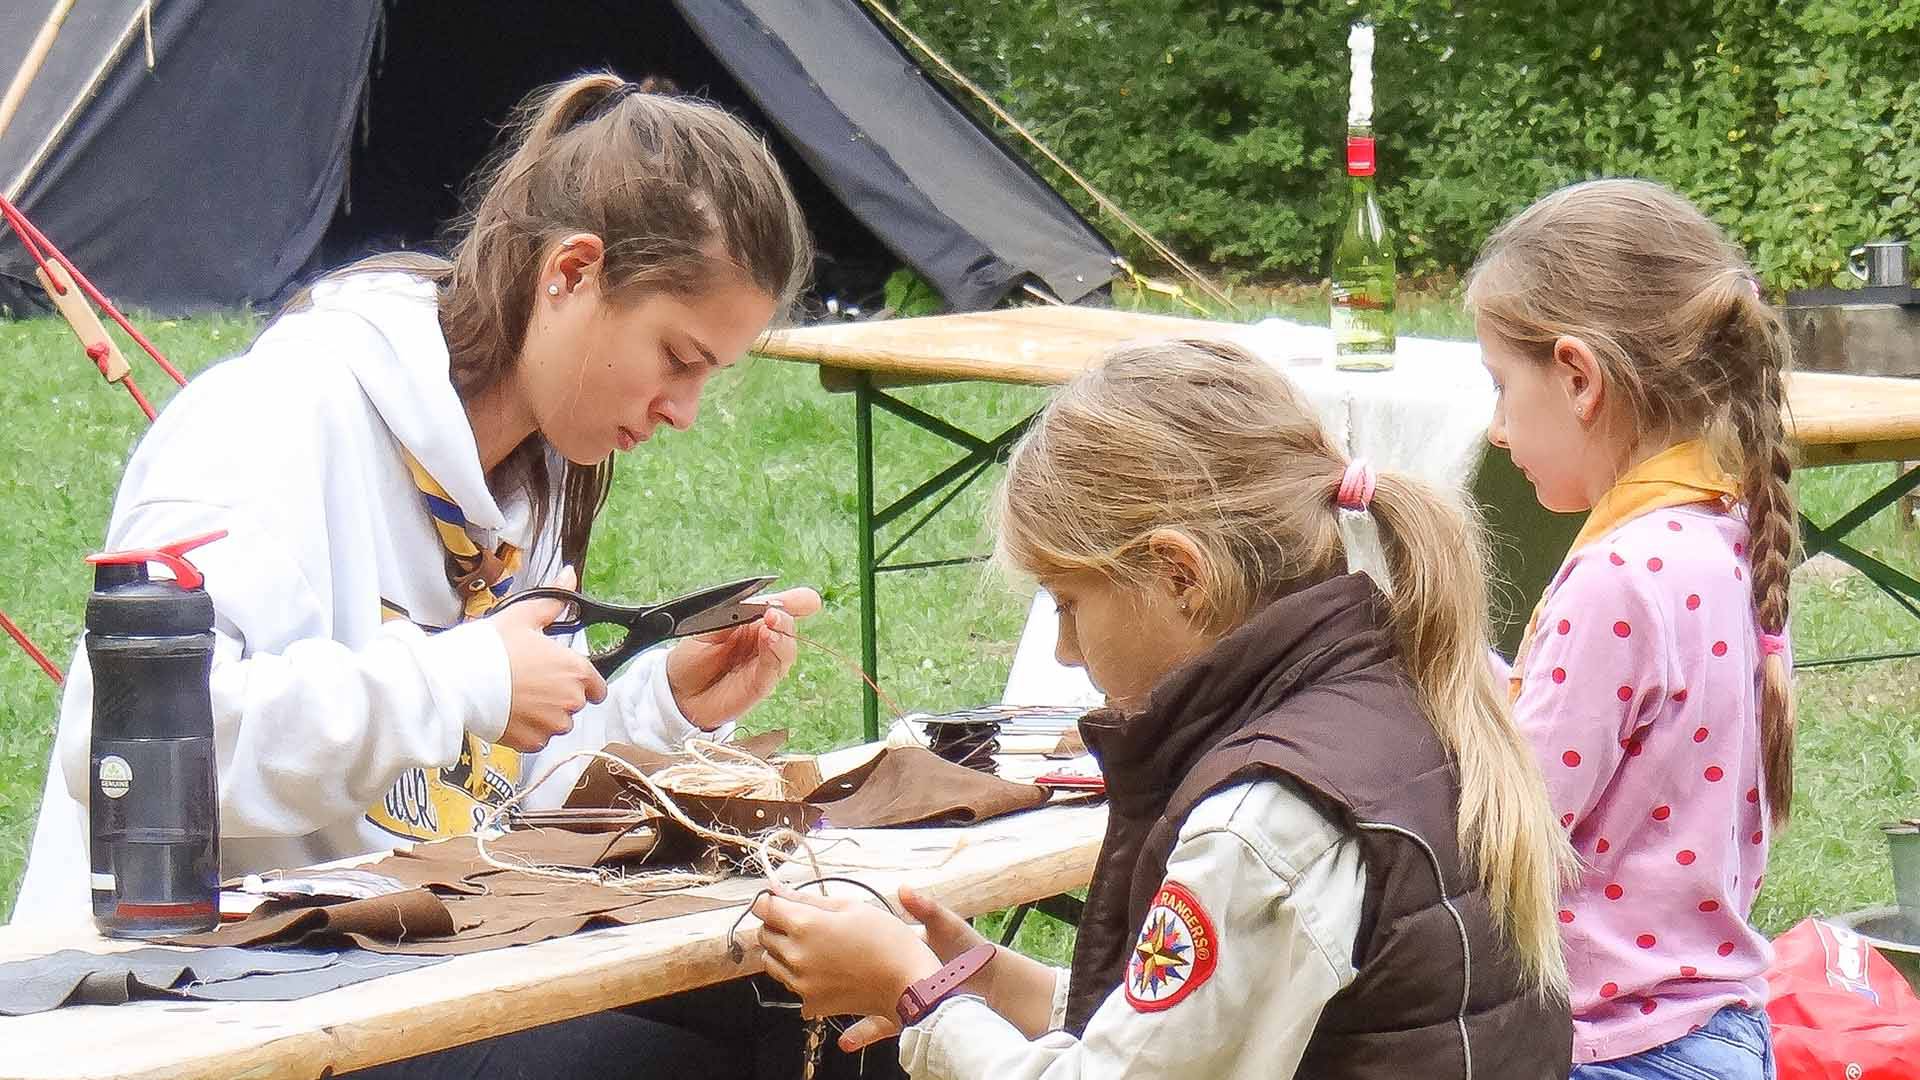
454, 902
396, 917
910, 785
601, 786
459, 904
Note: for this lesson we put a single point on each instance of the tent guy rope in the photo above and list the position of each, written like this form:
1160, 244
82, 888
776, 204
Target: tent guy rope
61, 278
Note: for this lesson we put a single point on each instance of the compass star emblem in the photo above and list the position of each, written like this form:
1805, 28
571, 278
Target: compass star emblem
1161, 956
1175, 952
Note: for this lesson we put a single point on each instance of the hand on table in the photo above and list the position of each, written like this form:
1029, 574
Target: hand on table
718, 676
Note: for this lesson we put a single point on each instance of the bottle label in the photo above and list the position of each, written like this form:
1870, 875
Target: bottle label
116, 776
1359, 155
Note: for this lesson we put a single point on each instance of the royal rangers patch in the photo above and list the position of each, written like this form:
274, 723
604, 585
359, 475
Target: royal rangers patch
1176, 951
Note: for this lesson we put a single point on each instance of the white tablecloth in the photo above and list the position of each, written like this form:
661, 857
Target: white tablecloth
1428, 416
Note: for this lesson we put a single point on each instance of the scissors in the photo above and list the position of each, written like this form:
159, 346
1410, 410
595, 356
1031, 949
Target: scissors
718, 608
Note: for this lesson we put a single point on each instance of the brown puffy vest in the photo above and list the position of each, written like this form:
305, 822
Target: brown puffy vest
1311, 688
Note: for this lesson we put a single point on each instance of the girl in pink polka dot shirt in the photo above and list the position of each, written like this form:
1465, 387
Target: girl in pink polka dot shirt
1640, 379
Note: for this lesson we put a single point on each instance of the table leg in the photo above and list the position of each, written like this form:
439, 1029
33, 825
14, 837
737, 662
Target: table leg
1827, 539
863, 393
1066, 907
943, 487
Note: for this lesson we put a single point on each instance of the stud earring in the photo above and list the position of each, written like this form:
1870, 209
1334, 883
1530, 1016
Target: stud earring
553, 288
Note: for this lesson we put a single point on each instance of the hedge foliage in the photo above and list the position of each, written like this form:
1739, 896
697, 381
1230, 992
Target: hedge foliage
1219, 125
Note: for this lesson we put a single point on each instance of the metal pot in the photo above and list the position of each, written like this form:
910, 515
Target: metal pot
1883, 262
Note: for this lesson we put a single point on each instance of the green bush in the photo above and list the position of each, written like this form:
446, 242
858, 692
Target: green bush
1219, 125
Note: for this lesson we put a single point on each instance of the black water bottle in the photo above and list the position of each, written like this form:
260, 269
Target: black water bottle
153, 803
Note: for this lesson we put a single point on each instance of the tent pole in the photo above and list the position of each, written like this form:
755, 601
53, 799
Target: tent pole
36, 55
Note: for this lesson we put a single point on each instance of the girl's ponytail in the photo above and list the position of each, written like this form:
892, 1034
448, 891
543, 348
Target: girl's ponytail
1437, 560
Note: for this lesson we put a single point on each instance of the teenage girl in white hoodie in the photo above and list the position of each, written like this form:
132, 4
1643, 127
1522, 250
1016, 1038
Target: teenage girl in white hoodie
622, 248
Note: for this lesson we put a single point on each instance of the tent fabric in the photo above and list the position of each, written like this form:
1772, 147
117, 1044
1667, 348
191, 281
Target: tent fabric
217, 177
969, 212
92, 38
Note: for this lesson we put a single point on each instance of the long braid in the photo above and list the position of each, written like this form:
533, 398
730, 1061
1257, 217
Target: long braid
1673, 314
1755, 412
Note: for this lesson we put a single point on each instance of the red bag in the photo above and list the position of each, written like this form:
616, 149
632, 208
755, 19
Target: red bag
1839, 1010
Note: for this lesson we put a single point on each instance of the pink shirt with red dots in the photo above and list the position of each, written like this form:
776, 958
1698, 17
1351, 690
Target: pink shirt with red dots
1641, 700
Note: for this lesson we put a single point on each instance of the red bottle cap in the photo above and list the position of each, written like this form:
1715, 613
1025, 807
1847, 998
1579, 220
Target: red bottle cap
172, 556
1359, 155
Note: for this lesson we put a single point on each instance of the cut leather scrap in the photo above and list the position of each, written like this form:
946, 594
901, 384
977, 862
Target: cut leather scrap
910, 785
462, 904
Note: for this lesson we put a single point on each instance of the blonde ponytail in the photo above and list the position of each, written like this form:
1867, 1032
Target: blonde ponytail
1437, 560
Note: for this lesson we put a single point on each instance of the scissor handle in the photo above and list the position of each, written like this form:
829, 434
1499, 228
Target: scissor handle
649, 630
644, 627
586, 610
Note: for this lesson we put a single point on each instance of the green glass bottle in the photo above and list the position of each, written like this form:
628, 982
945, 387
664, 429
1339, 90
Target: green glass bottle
1363, 259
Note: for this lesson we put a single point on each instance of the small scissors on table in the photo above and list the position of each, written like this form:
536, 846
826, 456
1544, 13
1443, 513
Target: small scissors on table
718, 608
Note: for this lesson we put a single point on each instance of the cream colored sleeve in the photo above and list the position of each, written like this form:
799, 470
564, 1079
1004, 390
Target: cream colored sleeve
1281, 888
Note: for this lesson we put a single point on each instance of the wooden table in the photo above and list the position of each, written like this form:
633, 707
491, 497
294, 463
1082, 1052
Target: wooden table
1834, 420
997, 864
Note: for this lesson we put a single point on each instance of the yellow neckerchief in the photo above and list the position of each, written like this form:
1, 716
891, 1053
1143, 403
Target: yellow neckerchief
485, 578
433, 804
1681, 475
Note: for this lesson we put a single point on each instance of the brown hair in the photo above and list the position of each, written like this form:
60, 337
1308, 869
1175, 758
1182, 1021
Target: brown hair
681, 193
1673, 313
1201, 439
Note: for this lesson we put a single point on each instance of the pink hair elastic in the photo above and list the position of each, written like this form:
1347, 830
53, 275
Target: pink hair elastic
1356, 487
1773, 644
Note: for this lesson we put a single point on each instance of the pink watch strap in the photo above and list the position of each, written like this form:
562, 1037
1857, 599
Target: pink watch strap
920, 998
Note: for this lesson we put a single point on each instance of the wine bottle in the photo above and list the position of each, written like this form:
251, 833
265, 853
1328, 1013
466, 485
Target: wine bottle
1363, 257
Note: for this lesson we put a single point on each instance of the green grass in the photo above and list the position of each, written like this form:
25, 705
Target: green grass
766, 481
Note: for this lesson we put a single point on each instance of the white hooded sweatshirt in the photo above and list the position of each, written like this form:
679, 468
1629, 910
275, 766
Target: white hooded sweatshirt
339, 732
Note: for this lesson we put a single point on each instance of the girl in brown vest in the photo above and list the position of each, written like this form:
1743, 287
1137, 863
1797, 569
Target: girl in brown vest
1328, 852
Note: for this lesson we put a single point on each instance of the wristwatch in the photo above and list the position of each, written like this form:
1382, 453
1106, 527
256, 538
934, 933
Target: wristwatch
920, 998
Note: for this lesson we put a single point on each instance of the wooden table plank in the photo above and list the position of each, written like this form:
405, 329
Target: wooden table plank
996, 864
1835, 419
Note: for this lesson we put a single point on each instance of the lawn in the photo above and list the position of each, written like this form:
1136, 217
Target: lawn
765, 482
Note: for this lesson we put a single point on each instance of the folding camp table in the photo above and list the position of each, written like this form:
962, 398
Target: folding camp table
1834, 420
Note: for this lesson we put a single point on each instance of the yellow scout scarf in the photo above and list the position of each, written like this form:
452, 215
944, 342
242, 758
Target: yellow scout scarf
434, 804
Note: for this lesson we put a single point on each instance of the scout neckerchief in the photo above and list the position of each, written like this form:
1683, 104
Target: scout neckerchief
434, 804
1681, 475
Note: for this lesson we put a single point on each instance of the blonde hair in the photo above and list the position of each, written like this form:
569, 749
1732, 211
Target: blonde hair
681, 193
1673, 314
1200, 439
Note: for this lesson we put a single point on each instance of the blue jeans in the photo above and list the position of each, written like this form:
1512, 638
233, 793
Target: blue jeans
1736, 1044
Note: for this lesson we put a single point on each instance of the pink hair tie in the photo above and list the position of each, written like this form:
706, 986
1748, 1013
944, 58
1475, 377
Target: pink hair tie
1356, 487
1773, 644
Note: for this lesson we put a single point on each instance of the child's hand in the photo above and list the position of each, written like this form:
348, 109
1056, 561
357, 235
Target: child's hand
550, 682
718, 676
948, 935
842, 956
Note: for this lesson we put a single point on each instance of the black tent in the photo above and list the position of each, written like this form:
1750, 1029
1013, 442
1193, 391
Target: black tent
268, 141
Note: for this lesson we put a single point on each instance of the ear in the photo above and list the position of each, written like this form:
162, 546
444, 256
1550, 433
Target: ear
575, 260
1578, 370
1182, 567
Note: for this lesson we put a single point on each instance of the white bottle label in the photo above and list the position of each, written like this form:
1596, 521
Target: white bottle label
116, 776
